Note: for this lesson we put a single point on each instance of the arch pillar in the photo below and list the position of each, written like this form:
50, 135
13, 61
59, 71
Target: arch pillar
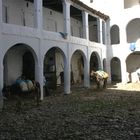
0, 11
100, 38
86, 74
85, 25
87, 70
108, 69
1, 61
108, 48
1, 84
67, 76
39, 76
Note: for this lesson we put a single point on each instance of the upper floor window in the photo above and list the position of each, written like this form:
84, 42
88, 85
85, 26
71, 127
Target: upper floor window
114, 33
76, 22
133, 30
5, 14
93, 28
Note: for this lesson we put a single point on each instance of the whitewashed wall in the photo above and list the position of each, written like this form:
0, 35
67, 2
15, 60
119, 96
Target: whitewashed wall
20, 14
14, 66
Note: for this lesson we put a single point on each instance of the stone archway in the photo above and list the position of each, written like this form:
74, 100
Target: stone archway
132, 65
115, 70
115, 34
95, 62
16, 63
54, 68
77, 67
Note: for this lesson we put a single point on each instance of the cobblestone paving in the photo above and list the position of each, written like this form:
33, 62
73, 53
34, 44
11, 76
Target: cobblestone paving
85, 114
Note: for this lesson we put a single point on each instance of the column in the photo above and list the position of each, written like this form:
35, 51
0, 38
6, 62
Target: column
38, 18
0, 11
1, 61
100, 38
0, 15
1, 84
39, 76
86, 73
85, 25
103, 32
67, 76
66, 14
108, 48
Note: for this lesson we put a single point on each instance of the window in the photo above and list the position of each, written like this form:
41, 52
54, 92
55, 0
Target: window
5, 14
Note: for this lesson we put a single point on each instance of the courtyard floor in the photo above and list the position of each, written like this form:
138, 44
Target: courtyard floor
85, 114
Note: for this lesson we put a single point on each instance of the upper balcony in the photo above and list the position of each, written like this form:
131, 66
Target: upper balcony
21, 17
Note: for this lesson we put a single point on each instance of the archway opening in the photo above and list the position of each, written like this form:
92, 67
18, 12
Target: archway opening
77, 68
28, 69
115, 35
133, 30
95, 63
133, 66
54, 68
115, 70
19, 60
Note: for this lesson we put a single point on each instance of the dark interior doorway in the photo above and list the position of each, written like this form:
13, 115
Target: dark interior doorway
28, 66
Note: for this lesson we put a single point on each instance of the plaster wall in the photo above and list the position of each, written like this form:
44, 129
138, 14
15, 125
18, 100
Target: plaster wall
14, 65
14, 58
40, 42
18, 13
108, 7
15, 12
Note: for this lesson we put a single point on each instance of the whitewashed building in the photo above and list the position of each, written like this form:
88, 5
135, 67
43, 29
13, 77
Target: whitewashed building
124, 47
65, 39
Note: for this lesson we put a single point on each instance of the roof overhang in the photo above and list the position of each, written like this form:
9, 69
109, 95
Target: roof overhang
57, 5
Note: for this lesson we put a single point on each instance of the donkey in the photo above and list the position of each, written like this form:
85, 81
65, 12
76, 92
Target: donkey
16, 89
99, 77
